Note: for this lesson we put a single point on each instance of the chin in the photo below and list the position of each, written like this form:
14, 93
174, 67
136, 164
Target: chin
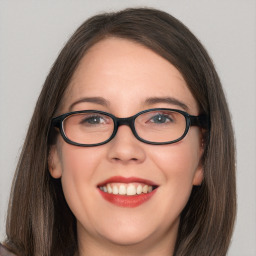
126, 237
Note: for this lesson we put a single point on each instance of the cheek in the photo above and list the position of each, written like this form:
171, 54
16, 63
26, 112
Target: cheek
78, 167
178, 163
78, 161
178, 160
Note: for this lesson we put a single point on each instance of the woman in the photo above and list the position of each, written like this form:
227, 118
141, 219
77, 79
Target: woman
129, 149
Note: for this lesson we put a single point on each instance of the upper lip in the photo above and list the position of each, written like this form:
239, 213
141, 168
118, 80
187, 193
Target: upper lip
120, 179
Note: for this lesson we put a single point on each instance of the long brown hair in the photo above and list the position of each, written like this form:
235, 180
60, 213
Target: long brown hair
39, 220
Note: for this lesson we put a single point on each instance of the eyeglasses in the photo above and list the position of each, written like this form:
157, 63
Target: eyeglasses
155, 126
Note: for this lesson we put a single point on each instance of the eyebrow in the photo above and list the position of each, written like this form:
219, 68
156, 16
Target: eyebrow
168, 100
148, 101
96, 100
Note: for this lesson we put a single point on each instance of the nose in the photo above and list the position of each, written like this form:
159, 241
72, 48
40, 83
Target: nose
125, 148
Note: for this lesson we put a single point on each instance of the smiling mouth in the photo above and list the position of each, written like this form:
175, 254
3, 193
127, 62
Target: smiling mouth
127, 189
127, 192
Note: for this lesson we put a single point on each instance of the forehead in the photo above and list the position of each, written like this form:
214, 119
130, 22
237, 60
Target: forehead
121, 70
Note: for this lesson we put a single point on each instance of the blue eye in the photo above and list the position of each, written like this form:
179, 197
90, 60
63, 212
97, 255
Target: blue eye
161, 119
92, 120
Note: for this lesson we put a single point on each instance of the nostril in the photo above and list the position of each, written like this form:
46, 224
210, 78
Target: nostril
120, 159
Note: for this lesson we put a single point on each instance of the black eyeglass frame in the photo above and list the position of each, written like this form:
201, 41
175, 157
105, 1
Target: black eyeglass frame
200, 121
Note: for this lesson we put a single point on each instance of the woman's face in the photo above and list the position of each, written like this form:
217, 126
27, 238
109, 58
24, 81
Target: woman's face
121, 77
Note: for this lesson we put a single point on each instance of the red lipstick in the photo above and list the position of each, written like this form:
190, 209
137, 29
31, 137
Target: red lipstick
127, 200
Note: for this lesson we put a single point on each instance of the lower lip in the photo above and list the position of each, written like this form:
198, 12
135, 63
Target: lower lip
127, 201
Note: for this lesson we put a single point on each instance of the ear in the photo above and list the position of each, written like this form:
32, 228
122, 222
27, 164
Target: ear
198, 176
54, 163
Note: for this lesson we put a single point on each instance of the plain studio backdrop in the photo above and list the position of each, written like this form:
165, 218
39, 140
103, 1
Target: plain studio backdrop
33, 32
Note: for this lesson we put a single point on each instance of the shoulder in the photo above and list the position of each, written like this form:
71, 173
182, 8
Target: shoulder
5, 252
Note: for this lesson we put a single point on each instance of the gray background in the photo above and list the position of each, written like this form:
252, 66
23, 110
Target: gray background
33, 32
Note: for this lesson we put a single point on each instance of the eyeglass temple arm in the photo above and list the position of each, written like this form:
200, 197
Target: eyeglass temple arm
201, 121
56, 122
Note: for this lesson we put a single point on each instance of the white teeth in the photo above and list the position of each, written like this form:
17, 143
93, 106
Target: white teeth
122, 190
145, 189
131, 190
109, 189
126, 189
139, 189
115, 190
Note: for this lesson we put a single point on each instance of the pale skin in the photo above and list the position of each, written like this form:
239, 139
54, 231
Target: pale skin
125, 74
